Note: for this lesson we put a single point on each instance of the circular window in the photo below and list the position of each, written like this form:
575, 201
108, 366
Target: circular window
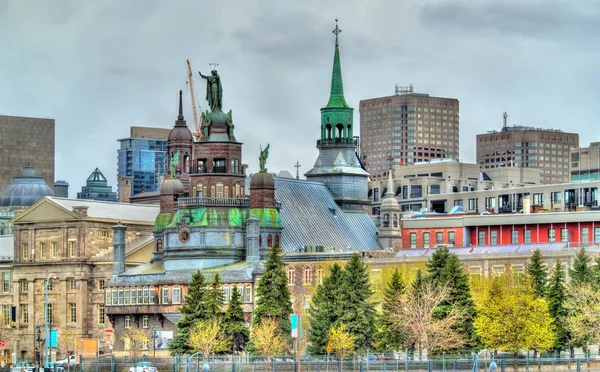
184, 235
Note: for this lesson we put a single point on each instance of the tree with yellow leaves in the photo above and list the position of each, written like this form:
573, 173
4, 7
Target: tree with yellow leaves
135, 341
340, 341
206, 337
583, 319
267, 339
511, 318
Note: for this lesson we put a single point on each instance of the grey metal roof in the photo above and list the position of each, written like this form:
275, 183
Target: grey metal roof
7, 247
25, 190
492, 250
310, 217
110, 210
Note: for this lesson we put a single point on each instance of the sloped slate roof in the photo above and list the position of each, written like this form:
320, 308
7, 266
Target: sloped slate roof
7, 247
310, 217
110, 210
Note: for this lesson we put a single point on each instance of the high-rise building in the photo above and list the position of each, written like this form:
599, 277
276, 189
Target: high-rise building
96, 188
529, 147
407, 128
585, 163
26, 142
142, 160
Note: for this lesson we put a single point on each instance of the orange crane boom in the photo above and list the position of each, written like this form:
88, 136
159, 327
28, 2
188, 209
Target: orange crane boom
198, 133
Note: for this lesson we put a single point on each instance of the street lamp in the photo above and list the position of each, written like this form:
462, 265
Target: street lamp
154, 337
47, 343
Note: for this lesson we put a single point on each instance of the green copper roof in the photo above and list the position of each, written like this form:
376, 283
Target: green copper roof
201, 216
269, 217
162, 221
336, 98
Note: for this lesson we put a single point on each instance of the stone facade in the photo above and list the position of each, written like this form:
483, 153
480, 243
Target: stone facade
26, 141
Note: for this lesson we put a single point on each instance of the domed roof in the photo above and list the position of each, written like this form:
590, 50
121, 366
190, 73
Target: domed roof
171, 186
180, 133
25, 190
262, 180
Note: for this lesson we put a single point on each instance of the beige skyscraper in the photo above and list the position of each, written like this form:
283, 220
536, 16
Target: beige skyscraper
407, 128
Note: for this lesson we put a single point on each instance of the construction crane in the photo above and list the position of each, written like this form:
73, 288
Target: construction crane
190, 82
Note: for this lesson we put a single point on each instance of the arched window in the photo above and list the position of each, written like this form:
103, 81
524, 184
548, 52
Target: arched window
307, 275
395, 220
240, 289
248, 293
386, 220
226, 193
151, 295
127, 293
340, 131
328, 131
199, 190
291, 276
259, 241
121, 296
159, 245
319, 275
145, 295
219, 189
212, 191
140, 296
237, 190
107, 297
186, 163
165, 294
176, 294
132, 297
114, 297
226, 294
276, 242
269, 241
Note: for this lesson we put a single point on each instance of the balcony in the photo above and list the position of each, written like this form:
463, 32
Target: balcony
212, 202
337, 141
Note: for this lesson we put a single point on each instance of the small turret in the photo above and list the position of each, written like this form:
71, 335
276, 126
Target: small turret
118, 248
390, 232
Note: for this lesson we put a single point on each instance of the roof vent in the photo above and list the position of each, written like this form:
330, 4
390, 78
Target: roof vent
332, 210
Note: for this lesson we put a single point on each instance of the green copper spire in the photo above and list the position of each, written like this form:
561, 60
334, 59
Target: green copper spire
337, 116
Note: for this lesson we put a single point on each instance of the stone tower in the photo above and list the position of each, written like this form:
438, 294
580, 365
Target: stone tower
390, 231
338, 165
180, 139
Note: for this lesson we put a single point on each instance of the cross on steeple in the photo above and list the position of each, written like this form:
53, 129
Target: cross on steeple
297, 166
336, 31
213, 65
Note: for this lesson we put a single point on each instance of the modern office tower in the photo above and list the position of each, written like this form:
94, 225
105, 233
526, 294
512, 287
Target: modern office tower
142, 160
96, 188
521, 146
585, 163
407, 128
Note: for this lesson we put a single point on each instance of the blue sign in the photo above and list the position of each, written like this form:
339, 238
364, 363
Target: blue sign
53, 338
296, 323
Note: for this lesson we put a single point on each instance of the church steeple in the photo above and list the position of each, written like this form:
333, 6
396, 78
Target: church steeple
337, 116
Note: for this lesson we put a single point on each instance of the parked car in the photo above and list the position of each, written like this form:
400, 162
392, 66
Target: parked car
22, 366
69, 361
143, 367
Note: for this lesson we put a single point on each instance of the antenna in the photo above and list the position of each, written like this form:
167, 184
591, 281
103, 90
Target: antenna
505, 116
397, 90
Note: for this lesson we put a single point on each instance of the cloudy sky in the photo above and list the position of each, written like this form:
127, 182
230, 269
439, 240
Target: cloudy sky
99, 67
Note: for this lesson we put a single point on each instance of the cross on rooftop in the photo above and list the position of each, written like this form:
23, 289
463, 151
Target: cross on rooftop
336, 31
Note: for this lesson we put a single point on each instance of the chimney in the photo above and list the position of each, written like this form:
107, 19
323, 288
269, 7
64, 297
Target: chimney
119, 248
252, 232
81, 210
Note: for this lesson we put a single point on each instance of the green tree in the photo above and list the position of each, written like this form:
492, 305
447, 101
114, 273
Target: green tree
192, 312
214, 298
418, 284
358, 312
206, 337
556, 296
538, 274
340, 342
596, 272
325, 310
235, 332
273, 294
581, 273
445, 269
583, 307
513, 318
389, 337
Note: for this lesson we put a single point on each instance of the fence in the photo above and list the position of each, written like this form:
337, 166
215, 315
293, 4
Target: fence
247, 363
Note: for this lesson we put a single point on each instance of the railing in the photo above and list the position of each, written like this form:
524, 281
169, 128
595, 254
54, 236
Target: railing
337, 141
212, 202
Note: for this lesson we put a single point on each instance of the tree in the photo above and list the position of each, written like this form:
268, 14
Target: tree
235, 332
273, 294
583, 320
445, 269
389, 338
340, 342
556, 296
66, 343
206, 338
358, 312
538, 274
134, 340
267, 338
325, 310
192, 312
413, 315
581, 273
513, 318
596, 272
214, 298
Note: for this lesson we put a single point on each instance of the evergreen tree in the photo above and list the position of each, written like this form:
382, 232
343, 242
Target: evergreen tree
582, 272
389, 338
192, 312
273, 294
214, 298
538, 274
444, 269
556, 296
416, 287
325, 310
596, 272
235, 332
358, 312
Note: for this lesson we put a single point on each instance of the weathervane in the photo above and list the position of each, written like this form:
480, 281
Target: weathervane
213, 65
336, 31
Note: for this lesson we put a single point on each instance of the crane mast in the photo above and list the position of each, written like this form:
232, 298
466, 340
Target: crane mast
198, 132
